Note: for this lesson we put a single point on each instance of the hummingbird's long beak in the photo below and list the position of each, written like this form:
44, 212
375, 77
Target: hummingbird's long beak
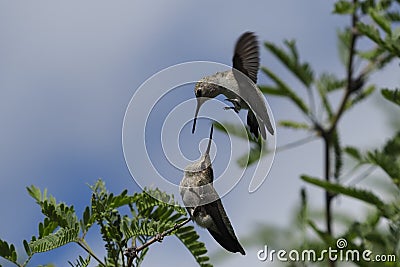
206, 160
200, 101
209, 140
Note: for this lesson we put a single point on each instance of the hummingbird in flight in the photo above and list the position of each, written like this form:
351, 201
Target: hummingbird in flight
204, 204
239, 86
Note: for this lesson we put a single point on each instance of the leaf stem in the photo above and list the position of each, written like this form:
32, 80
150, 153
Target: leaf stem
82, 243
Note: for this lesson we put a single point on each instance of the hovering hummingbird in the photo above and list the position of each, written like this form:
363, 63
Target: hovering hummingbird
204, 204
239, 86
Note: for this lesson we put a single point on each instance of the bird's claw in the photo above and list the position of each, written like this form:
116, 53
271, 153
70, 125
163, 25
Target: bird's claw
130, 252
159, 237
227, 108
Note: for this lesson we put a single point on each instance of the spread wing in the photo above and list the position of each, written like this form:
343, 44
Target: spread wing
246, 56
246, 61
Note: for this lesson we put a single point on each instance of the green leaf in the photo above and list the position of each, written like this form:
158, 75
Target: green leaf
61, 237
359, 97
249, 158
47, 227
289, 92
325, 84
8, 251
81, 262
35, 193
294, 124
391, 95
388, 158
360, 194
26, 247
302, 214
353, 152
328, 82
232, 129
380, 20
371, 54
327, 238
157, 213
343, 7
141, 256
87, 220
371, 32
188, 236
291, 60
390, 164
58, 214
396, 34
343, 45
393, 16
271, 90
137, 228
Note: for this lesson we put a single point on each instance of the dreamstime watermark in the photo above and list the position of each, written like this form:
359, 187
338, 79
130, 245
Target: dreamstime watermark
340, 253
141, 133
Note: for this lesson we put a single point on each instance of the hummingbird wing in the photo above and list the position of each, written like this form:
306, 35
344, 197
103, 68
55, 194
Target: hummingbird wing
246, 57
222, 230
246, 61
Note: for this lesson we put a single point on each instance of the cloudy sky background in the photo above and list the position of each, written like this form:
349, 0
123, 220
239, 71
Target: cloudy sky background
68, 71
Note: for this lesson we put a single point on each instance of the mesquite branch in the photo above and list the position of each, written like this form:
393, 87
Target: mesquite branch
132, 253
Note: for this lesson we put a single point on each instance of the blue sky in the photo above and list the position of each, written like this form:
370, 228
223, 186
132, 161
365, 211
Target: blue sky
69, 69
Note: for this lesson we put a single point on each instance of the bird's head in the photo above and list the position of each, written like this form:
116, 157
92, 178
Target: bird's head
204, 91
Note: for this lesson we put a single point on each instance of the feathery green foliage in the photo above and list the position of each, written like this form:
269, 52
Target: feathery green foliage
286, 90
80, 262
291, 60
377, 22
392, 95
151, 213
8, 252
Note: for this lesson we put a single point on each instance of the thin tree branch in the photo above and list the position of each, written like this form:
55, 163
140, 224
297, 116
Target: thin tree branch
350, 80
131, 253
83, 245
328, 195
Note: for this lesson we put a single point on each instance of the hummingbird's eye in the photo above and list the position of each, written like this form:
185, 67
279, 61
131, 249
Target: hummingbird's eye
198, 93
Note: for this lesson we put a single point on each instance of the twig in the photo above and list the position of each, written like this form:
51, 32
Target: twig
328, 195
350, 80
82, 244
131, 253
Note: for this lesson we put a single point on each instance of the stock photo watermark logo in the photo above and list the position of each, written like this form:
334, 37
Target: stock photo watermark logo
340, 253
147, 124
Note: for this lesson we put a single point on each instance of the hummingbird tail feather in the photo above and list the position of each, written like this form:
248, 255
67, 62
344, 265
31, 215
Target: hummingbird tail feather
252, 123
227, 242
